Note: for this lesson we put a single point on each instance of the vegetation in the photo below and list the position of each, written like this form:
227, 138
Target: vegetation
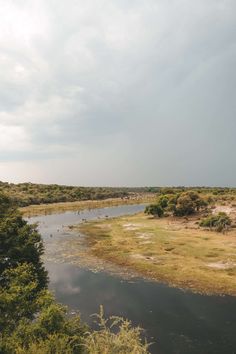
172, 250
24, 194
125, 339
19, 243
30, 319
219, 222
179, 204
155, 210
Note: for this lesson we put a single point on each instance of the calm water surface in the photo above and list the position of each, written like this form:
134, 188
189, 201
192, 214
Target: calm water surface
178, 322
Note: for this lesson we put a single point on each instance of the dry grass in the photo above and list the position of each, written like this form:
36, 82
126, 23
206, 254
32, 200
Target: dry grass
44, 209
167, 250
125, 339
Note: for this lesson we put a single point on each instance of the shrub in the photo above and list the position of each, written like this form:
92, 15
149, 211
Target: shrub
188, 203
163, 201
179, 204
19, 243
219, 222
126, 340
155, 210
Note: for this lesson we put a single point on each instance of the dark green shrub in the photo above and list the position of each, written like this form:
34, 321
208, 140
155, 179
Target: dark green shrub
155, 210
219, 222
188, 203
163, 201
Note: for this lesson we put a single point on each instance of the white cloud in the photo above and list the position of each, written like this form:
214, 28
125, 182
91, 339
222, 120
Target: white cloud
13, 138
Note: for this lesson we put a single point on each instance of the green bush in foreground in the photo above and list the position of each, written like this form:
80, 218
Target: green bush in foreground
219, 222
125, 341
35, 323
19, 243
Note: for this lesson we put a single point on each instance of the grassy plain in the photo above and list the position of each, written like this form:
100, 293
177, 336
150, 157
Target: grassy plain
170, 250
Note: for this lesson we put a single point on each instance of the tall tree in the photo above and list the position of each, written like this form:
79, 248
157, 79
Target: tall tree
19, 243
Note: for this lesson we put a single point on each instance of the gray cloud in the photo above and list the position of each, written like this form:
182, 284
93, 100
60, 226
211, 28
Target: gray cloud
138, 92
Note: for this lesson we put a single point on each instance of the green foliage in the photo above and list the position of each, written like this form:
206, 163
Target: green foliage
179, 204
31, 319
125, 340
188, 203
155, 210
19, 243
163, 201
54, 344
219, 222
18, 296
24, 194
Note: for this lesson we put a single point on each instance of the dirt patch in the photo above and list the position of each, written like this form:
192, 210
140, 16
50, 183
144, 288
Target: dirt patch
223, 209
130, 227
144, 235
221, 265
140, 256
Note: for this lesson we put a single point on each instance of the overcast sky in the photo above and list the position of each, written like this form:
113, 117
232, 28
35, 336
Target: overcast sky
115, 92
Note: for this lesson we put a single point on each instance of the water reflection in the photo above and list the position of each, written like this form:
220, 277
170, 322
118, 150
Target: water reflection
179, 322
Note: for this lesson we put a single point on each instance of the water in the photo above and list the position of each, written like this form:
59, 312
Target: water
178, 322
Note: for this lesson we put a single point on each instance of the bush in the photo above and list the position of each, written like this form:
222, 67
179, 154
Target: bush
179, 204
219, 222
188, 203
155, 210
126, 340
19, 243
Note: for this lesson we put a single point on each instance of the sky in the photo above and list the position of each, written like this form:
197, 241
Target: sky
118, 93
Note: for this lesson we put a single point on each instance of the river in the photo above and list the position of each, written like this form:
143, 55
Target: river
178, 322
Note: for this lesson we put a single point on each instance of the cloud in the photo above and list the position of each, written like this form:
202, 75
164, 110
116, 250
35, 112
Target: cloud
13, 138
150, 83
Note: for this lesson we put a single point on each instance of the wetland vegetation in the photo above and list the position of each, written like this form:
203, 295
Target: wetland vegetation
177, 241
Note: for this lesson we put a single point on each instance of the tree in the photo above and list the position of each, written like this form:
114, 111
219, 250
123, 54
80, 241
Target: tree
155, 210
179, 204
163, 201
188, 203
19, 243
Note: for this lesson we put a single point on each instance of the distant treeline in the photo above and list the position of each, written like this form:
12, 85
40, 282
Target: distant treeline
24, 194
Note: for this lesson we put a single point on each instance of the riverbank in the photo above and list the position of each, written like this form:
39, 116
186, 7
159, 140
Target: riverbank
45, 209
166, 250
